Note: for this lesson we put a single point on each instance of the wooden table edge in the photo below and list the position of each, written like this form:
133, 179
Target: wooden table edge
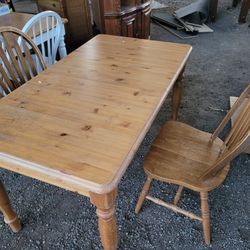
135, 147
79, 185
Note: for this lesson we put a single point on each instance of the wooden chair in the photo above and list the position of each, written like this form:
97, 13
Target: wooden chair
17, 54
195, 159
45, 28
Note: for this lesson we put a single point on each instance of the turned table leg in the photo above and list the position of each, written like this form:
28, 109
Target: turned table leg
10, 216
105, 209
177, 95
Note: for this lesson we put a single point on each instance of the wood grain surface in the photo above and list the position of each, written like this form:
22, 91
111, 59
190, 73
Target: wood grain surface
18, 20
78, 124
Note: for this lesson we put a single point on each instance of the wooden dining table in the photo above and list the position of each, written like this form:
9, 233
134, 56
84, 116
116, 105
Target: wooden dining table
18, 20
79, 123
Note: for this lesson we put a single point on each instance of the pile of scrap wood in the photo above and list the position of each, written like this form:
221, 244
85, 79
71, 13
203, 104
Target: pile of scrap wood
190, 19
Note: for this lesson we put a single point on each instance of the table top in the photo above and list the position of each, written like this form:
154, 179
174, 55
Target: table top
79, 123
18, 20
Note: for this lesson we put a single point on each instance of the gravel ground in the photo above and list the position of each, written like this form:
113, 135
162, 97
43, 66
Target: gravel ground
57, 219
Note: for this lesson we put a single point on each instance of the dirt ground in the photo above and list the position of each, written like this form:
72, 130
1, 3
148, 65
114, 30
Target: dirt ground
57, 219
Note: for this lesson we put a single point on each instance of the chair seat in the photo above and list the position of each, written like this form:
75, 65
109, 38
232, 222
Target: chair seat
181, 154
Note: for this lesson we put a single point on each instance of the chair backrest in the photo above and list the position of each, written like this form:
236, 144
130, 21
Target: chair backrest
17, 59
238, 138
45, 29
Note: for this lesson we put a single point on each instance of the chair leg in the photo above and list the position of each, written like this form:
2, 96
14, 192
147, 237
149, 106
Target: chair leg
178, 195
205, 217
213, 10
12, 5
10, 216
143, 195
244, 10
